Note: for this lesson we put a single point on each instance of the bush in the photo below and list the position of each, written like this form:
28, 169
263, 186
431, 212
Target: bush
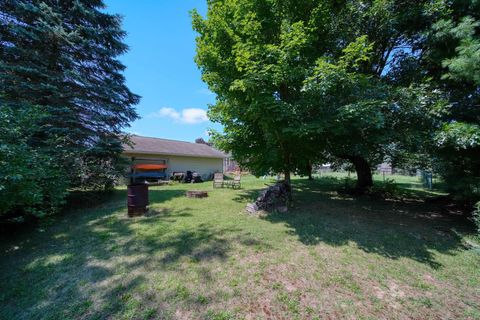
32, 183
459, 149
462, 182
347, 185
98, 173
387, 189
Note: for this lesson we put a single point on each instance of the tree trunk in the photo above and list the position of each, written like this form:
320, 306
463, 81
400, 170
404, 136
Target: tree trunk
309, 169
288, 181
364, 173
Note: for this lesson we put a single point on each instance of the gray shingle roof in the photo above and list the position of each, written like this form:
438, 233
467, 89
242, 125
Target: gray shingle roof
148, 145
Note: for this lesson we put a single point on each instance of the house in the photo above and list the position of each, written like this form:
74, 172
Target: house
157, 158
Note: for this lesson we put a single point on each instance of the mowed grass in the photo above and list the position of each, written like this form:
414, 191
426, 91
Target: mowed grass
329, 257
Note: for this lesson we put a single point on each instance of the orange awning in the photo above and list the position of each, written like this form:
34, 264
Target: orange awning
150, 166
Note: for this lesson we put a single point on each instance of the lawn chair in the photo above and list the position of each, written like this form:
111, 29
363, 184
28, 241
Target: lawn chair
218, 180
236, 182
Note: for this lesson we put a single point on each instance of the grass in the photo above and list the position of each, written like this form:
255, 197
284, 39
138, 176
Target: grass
330, 256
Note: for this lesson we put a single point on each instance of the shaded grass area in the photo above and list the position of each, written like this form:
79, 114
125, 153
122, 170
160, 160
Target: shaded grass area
330, 256
410, 186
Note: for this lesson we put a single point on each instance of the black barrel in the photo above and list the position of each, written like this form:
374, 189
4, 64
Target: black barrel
137, 199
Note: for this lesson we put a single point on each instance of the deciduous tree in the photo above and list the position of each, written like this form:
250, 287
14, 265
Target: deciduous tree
300, 81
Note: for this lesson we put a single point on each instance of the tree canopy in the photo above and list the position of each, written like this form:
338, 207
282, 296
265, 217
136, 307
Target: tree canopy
451, 61
302, 81
59, 59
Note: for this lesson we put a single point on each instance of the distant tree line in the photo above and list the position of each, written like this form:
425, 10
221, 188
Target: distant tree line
63, 102
346, 82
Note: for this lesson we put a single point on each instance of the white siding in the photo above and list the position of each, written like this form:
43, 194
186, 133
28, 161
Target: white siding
204, 166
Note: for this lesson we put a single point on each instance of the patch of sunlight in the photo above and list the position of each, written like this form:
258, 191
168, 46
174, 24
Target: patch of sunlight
48, 261
337, 197
12, 248
105, 220
60, 236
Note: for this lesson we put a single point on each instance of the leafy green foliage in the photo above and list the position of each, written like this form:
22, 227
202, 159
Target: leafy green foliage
358, 82
361, 115
452, 61
309, 82
61, 58
255, 56
465, 65
31, 180
387, 189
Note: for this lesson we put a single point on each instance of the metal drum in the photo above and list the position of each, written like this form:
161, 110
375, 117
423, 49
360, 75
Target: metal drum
137, 199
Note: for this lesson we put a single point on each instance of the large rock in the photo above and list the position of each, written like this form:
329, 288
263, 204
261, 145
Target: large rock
252, 207
274, 198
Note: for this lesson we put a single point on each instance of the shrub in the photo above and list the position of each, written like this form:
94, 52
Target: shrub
100, 173
347, 185
32, 182
387, 189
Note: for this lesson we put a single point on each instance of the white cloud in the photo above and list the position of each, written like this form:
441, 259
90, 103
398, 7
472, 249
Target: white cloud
188, 115
168, 113
194, 115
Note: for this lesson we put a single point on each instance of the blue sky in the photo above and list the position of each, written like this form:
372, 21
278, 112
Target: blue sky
161, 69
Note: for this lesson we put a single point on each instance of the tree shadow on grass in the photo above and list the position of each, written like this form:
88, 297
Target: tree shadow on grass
389, 228
80, 199
413, 190
246, 196
95, 262
250, 195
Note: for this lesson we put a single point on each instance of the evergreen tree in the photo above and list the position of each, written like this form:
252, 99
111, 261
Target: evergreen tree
452, 61
61, 85
62, 56
446, 55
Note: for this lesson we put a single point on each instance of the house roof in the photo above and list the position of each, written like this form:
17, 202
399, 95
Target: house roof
148, 145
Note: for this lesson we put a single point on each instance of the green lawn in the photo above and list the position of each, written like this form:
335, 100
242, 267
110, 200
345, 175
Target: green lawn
331, 256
